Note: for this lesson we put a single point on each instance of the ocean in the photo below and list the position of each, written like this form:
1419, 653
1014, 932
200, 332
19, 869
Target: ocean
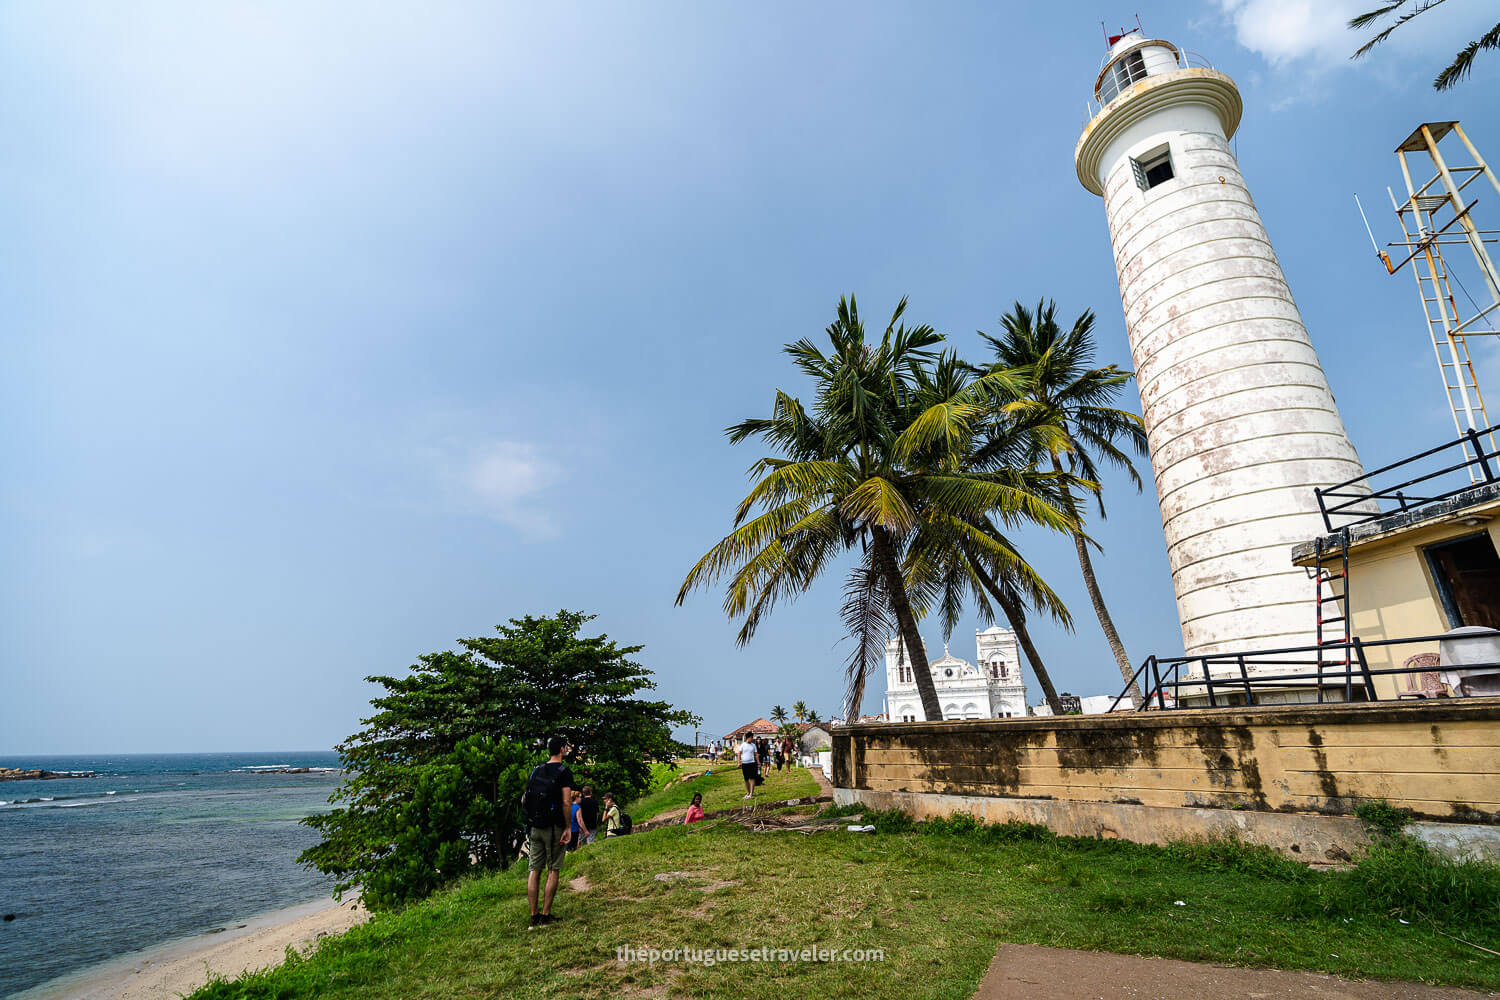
156, 847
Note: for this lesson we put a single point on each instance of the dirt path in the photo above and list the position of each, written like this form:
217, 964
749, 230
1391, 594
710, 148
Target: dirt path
1031, 972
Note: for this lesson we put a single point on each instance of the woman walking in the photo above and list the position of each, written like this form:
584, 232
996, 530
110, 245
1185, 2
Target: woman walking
748, 767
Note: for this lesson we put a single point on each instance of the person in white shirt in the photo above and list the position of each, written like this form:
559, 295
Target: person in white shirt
748, 764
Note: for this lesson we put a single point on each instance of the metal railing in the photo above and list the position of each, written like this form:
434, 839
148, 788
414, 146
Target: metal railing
1226, 679
1130, 72
1357, 501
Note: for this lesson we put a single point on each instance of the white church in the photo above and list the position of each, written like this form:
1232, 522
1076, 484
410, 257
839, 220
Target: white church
993, 689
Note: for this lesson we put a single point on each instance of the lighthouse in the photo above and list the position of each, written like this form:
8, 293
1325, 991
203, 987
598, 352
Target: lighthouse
1239, 417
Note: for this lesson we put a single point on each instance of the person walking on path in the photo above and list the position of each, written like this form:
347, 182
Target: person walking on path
549, 793
589, 814
611, 816
695, 809
748, 767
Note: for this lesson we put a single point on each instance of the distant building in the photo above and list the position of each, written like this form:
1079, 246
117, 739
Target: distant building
756, 729
813, 737
992, 689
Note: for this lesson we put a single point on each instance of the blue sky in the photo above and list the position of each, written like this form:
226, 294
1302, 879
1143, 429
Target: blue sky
336, 332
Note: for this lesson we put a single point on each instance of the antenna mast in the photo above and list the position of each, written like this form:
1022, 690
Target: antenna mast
1435, 215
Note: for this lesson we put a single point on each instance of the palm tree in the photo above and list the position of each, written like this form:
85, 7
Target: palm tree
949, 568
812, 718
1066, 410
1457, 70
843, 483
799, 710
778, 714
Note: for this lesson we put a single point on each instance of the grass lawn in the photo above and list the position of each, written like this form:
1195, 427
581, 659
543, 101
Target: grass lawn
938, 904
724, 789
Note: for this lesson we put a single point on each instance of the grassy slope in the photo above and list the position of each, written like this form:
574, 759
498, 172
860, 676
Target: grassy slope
938, 905
724, 789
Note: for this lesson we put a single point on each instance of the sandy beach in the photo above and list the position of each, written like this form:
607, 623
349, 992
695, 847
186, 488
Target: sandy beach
178, 968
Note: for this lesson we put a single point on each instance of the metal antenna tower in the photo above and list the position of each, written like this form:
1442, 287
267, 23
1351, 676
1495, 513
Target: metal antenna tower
1428, 219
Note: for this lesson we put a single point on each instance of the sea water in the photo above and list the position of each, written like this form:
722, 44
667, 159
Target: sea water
153, 848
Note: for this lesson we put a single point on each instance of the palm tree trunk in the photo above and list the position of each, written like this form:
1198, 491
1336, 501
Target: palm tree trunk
1016, 615
895, 583
1091, 584
1127, 671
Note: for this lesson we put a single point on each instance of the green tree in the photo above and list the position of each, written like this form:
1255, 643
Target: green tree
812, 718
1065, 408
799, 711
951, 564
404, 829
434, 779
843, 482
778, 714
1456, 70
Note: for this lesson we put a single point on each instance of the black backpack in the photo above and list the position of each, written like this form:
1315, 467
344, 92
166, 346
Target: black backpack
624, 824
540, 801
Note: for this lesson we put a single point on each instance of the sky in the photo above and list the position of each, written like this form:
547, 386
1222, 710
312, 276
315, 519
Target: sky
334, 333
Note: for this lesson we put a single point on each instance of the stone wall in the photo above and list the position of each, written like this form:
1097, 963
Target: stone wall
1275, 775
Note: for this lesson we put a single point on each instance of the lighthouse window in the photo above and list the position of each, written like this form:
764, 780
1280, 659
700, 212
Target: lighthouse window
1152, 168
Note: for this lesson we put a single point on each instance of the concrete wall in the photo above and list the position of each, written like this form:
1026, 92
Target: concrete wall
1239, 416
1171, 769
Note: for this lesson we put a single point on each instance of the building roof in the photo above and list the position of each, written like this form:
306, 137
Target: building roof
758, 727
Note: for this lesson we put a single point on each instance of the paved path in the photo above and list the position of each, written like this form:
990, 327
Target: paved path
1031, 972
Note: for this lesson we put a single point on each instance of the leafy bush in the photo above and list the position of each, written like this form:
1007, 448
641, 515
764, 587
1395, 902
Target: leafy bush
890, 821
407, 829
1382, 818
1015, 830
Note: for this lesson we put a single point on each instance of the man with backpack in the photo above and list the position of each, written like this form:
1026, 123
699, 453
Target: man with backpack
547, 805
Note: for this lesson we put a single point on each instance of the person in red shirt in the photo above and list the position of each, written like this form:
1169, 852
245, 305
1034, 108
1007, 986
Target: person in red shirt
695, 809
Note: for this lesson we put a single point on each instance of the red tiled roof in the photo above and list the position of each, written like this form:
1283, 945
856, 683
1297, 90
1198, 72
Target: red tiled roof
758, 726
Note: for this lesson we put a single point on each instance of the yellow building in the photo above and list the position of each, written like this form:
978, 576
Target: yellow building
1414, 573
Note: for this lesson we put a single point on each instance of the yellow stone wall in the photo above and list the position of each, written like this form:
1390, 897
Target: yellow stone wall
1440, 758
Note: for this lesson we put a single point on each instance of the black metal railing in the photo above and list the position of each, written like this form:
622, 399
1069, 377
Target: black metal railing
1359, 501
1226, 679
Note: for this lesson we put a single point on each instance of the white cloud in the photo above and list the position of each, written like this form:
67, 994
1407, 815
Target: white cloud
1284, 32
508, 480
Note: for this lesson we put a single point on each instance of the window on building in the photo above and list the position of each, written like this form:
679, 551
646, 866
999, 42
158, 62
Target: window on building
1122, 74
1152, 168
1466, 572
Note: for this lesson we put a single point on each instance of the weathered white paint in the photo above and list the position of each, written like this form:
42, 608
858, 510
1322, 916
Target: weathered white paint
1241, 423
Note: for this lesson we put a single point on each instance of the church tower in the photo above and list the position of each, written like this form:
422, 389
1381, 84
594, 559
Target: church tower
1240, 420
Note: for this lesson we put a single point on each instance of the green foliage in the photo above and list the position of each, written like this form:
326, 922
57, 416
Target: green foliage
1226, 855
869, 470
405, 829
1383, 819
1400, 877
1452, 74
435, 777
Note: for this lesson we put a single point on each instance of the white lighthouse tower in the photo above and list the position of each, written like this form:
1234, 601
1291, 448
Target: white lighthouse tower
1240, 420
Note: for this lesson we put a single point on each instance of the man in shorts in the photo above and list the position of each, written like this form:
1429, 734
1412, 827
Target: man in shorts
547, 833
